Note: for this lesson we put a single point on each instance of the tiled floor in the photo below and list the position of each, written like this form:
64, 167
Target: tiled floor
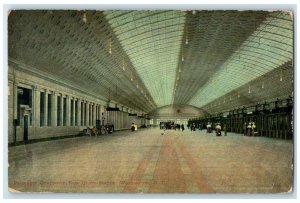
147, 161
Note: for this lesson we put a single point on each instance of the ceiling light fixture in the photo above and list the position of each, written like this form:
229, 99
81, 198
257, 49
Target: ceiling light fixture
84, 19
186, 37
110, 50
123, 65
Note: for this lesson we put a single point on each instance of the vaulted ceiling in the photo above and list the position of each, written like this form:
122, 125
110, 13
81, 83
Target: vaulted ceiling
150, 59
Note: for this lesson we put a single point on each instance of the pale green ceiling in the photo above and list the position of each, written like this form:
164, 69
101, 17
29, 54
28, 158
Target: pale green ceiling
134, 58
196, 57
270, 46
152, 41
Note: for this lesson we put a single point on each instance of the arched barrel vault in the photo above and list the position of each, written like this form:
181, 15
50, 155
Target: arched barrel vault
149, 59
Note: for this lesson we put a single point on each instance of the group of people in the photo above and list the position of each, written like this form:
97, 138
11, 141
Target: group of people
178, 127
218, 129
249, 130
100, 130
209, 127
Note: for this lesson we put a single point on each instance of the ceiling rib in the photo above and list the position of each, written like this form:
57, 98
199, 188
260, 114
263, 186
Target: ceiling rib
152, 41
149, 59
212, 38
60, 43
237, 71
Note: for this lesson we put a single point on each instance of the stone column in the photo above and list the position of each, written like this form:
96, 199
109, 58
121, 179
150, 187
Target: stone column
96, 112
114, 119
68, 112
119, 119
83, 112
79, 112
73, 121
36, 107
46, 109
90, 114
94, 115
100, 113
53, 109
87, 114
15, 116
61, 110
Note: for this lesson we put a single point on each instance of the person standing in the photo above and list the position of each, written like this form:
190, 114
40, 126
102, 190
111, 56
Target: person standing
218, 129
182, 127
245, 129
249, 128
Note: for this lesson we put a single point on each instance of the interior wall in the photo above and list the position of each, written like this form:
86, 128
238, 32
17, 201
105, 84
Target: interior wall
275, 84
178, 113
95, 108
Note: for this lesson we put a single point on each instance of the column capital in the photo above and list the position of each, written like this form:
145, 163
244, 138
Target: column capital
36, 88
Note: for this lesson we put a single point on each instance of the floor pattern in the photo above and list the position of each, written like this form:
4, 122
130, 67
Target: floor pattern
154, 161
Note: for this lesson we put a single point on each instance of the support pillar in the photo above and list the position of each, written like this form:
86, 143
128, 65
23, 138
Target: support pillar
53, 109
87, 114
61, 110
93, 113
68, 112
79, 112
46, 109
